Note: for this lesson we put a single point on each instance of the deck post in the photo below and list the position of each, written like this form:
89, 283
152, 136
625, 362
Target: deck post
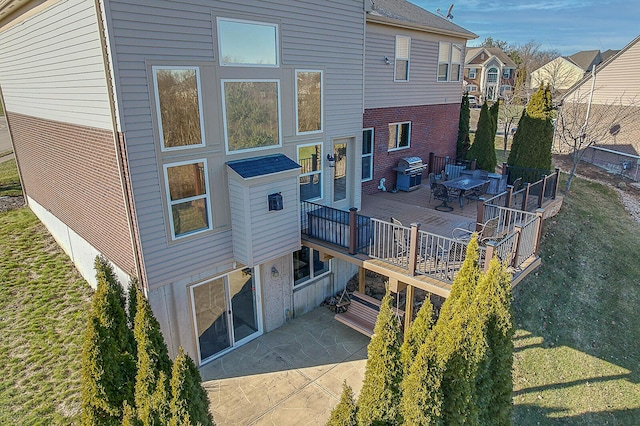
413, 248
509, 197
544, 188
516, 244
479, 215
539, 213
353, 231
555, 187
491, 249
408, 310
361, 279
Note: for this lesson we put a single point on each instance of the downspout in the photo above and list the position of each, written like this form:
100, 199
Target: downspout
120, 153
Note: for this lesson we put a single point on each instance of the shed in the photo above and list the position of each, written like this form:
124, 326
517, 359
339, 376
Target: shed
264, 198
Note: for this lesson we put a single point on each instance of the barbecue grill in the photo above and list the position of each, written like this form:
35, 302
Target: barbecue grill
409, 173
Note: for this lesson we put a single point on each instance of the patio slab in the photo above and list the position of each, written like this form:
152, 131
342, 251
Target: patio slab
290, 376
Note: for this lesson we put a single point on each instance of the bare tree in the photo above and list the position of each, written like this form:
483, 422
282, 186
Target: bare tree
509, 114
558, 74
582, 123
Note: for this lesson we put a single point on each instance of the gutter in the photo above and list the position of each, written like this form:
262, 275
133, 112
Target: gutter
414, 26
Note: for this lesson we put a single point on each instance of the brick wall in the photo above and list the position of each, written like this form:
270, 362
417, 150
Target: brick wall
434, 128
72, 171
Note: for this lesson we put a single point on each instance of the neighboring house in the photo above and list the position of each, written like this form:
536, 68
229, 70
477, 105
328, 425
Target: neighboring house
489, 73
178, 139
413, 82
614, 104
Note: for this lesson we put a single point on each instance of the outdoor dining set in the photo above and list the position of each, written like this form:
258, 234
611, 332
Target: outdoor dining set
468, 186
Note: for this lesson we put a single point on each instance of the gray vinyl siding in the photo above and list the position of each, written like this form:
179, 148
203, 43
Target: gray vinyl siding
51, 66
619, 79
422, 88
327, 35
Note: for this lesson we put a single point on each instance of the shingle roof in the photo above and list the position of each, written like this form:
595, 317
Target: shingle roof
495, 51
261, 166
404, 11
586, 59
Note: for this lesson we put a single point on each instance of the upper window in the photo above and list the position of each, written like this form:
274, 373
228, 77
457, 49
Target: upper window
472, 72
506, 73
310, 158
403, 47
367, 154
449, 61
188, 197
251, 114
309, 107
307, 265
399, 135
471, 88
505, 88
492, 75
247, 43
179, 107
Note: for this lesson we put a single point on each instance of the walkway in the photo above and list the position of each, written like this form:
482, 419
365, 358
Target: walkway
290, 376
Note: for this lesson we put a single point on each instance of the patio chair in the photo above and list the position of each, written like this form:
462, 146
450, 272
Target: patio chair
432, 183
488, 231
441, 193
516, 184
480, 174
476, 193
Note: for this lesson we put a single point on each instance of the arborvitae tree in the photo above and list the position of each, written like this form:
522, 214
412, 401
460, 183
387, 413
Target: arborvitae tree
108, 365
189, 401
493, 113
154, 367
463, 128
417, 335
465, 283
129, 415
531, 147
379, 399
132, 301
494, 382
483, 147
344, 414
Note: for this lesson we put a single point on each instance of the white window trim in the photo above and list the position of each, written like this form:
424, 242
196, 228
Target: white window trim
475, 73
206, 196
408, 59
312, 277
321, 171
497, 73
373, 143
448, 63
224, 115
246, 21
163, 148
472, 88
397, 148
321, 102
460, 64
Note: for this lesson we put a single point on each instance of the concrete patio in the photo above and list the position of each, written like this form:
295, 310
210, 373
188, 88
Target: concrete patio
290, 376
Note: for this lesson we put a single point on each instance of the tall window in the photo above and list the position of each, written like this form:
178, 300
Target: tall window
403, 47
506, 73
449, 61
179, 107
310, 158
367, 154
307, 265
188, 197
309, 106
492, 75
251, 112
399, 135
247, 43
340, 172
472, 73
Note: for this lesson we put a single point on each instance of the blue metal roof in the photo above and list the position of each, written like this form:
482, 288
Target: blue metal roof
261, 166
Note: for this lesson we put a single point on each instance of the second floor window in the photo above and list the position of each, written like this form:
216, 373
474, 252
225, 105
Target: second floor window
472, 73
403, 47
399, 135
247, 43
449, 61
309, 106
492, 75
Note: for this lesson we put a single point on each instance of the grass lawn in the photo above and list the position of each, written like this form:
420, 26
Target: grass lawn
577, 355
9, 181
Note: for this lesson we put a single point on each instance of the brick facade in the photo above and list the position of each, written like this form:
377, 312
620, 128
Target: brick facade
72, 171
434, 128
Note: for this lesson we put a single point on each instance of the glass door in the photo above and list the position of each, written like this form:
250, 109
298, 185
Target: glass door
226, 312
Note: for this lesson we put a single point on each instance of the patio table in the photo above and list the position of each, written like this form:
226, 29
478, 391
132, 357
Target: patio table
463, 184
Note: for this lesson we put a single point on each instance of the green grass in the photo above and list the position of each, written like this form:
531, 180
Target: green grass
9, 180
43, 301
577, 355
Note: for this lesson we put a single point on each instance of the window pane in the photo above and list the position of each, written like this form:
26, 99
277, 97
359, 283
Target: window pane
310, 187
366, 167
318, 266
402, 69
402, 47
186, 181
456, 54
301, 265
242, 293
492, 75
455, 72
309, 101
190, 216
393, 133
251, 110
210, 304
443, 70
310, 158
249, 43
179, 107
443, 54
367, 141
403, 137
340, 172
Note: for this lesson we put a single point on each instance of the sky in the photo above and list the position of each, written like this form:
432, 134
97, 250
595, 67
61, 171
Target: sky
567, 26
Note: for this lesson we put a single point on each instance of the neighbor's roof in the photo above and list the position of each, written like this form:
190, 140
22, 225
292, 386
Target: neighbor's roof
406, 14
261, 166
608, 53
586, 59
472, 52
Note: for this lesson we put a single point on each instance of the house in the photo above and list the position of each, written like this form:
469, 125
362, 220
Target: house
609, 102
180, 140
488, 73
564, 71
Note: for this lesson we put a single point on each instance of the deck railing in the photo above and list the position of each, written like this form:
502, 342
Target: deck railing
531, 196
342, 228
